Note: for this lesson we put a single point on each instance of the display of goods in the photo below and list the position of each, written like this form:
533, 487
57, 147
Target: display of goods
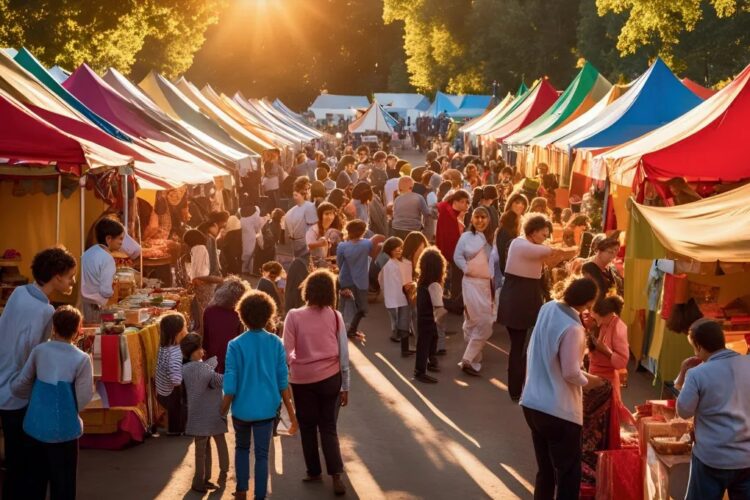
11, 254
668, 445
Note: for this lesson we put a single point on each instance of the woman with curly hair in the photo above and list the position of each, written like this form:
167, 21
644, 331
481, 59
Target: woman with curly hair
318, 355
323, 236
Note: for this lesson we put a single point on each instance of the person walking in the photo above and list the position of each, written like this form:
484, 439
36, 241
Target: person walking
451, 212
552, 398
472, 257
221, 323
255, 383
715, 389
316, 344
430, 312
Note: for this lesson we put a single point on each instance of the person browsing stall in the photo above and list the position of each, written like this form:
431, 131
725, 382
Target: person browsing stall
301, 217
98, 268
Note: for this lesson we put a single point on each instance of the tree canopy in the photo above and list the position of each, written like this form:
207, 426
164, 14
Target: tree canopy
164, 34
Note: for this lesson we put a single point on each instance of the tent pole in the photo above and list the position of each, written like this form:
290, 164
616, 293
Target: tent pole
125, 201
82, 184
57, 224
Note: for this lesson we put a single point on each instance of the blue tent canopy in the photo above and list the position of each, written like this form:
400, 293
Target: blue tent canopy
657, 98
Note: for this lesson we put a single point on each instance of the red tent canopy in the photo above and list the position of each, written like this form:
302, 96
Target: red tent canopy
697, 89
532, 108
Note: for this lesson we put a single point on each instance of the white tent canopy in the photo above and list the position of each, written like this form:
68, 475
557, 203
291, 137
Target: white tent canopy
375, 119
338, 105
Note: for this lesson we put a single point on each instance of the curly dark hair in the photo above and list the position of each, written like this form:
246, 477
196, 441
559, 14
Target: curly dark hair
606, 244
611, 304
300, 183
431, 267
66, 321
50, 263
356, 228
534, 224
319, 289
257, 310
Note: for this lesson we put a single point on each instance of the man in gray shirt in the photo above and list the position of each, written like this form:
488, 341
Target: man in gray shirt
408, 209
715, 389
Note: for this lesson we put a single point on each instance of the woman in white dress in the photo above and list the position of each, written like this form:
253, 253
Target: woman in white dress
472, 256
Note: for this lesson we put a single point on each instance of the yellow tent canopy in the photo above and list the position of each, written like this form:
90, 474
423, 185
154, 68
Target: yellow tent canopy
709, 230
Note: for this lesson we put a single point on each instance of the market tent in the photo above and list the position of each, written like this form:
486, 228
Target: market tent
375, 119
522, 89
231, 156
337, 105
709, 230
9, 51
59, 74
279, 104
537, 101
175, 104
496, 118
698, 89
584, 91
541, 148
444, 103
705, 144
150, 167
248, 122
26, 138
274, 120
98, 96
288, 120
234, 129
27, 60
407, 106
472, 106
655, 98
488, 116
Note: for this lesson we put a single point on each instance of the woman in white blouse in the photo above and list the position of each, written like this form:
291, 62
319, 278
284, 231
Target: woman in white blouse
472, 256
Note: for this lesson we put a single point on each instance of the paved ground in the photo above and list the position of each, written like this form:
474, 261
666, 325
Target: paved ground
460, 438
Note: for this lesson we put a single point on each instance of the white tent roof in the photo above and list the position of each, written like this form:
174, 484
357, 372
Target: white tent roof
402, 101
59, 74
338, 104
374, 120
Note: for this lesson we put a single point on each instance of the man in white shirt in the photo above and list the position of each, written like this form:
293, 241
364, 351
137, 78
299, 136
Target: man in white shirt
98, 268
301, 217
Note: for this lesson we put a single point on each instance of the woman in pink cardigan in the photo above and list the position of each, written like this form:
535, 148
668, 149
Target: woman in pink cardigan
317, 351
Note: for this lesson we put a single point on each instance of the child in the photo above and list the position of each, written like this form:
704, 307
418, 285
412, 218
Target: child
395, 279
169, 391
204, 420
352, 257
255, 383
59, 381
430, 312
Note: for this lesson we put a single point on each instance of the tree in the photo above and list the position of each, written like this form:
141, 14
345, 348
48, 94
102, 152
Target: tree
106, 33
665, 20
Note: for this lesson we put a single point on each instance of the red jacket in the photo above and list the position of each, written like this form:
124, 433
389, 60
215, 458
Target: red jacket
448, 230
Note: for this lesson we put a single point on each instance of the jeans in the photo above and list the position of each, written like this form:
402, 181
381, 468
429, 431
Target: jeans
516, 362
708, 483
261, 430
317, 406
56, 465
204, 462
354, 309
557, 446
400, 319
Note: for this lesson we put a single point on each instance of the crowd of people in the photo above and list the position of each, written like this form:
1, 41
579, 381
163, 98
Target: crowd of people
322, 240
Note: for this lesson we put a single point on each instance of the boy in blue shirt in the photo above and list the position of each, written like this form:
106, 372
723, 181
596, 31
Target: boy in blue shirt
352, 258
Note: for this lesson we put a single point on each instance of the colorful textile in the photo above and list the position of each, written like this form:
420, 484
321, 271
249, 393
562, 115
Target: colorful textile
596, 407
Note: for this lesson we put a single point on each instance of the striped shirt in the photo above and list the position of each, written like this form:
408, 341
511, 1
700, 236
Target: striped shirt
168, 369
203, 387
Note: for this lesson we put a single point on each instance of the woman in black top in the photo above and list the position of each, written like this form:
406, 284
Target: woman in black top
600, 268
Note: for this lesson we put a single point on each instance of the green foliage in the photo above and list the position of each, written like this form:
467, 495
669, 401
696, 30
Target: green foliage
664, 20
105, 33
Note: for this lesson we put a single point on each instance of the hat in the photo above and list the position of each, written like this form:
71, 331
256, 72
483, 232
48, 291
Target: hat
233, 224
